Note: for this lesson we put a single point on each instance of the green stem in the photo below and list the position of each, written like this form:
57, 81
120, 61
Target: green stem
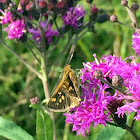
28, 46
132, 124
44, 79
63, 51
132, 132
110, 85
52, 48
35, 45
66, 131
132, 17
124, 24
72, 50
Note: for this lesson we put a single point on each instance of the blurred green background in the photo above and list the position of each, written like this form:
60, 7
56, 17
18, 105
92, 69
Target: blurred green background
18, 84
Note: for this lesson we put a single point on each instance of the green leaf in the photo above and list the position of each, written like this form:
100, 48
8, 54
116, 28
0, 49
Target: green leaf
110, 133
11, 131
44, 126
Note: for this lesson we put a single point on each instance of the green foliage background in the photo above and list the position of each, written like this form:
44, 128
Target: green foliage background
18, 84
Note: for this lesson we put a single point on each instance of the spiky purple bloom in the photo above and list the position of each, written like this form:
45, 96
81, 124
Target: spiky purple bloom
73, 16
136, 42
15, 29
6, 18
92, 109
49, 33
97, 105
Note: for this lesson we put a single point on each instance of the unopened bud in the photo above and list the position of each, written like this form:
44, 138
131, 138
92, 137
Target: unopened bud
23, 2
94, 9
42, 4
50, 6
103, 18
124, 2
3, 1
29, 6
117, 81
34, 100
114, 18
98, 74
134, 6
60, 4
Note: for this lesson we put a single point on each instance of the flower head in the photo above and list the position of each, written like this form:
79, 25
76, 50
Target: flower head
93, 109
73, 16
136, 42
6, 18
15, 29
99, 103
49, 33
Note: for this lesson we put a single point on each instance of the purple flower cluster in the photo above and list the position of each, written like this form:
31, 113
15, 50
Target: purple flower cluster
98, 103
73, 16
49, 33
15, 29
136, 42
6, 18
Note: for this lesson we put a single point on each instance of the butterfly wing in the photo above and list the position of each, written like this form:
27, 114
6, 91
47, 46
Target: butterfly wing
59, 102
66, 95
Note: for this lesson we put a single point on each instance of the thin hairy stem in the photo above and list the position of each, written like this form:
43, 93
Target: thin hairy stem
44, 79
72, 50
28, 46
133, 17
35, 45
63, 51
132, 132
21, 59
82, 34
66, 131
110, 85
52, 48
132, 124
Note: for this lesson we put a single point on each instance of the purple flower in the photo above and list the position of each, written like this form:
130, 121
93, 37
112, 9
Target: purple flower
136, 42
6, 18
92, 109
15, 29
99, 104
35, 34
73, 15
49, 33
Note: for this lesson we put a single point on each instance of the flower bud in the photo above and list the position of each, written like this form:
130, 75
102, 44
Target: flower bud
23, 2
103, 18
94, 12
29, 6
117, 81
34, 100
3, 1
98, 74
134, 6
114, 18
94, 9
50, 6
60, 4
42, 4
124, 2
